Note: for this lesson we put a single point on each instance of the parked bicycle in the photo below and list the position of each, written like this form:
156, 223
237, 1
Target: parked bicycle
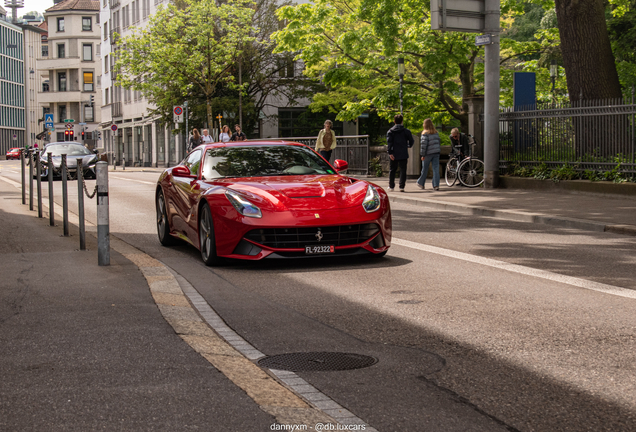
467, 169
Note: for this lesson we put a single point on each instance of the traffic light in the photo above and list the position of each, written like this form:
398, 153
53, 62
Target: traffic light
83, 135
99, 135
92, 99
71, 135
67, 134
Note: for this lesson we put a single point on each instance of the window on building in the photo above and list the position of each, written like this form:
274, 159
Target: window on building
45, 86
45, 51
98, 50
105, 30
88, 113
106, 97
87, 24
61, 81
87, 52
60, 24
88, 81
61, 52
61, 109
106, 63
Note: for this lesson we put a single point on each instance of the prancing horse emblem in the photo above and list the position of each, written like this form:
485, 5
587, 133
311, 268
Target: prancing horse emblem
319, 235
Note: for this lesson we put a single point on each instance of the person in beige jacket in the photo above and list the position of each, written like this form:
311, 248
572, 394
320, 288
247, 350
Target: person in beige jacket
326, 141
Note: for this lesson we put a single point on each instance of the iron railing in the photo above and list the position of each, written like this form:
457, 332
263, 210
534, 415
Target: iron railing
589, 135
354, 149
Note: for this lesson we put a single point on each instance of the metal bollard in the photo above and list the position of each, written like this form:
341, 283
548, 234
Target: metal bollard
30, 179
80, 204
39, 182
51, 201
65, 195
22, 172
103, 234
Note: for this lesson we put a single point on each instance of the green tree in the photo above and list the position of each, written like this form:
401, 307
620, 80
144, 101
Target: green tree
190, 47
353, 48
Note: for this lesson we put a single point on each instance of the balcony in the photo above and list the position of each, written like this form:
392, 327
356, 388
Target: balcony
61, 97
114, 3
59, 63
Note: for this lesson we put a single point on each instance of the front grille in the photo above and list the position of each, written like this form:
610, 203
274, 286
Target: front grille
293, 238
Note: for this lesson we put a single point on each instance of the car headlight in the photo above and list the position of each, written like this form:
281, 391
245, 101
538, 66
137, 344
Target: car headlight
243, 206
372, 200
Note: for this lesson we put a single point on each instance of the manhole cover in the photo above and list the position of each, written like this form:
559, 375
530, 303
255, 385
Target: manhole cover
317, 361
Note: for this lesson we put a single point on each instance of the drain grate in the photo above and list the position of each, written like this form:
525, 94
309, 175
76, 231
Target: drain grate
317, 361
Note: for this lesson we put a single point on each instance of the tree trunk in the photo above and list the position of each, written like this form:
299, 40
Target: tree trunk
587, 54
591, 75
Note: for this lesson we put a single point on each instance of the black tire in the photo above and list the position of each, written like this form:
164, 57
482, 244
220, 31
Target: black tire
163, 225
451, 171
471, 172
207, 240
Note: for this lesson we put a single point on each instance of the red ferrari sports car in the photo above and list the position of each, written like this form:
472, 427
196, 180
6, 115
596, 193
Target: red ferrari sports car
255, 200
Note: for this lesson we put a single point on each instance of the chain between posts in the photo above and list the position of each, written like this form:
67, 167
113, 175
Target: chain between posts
91, 195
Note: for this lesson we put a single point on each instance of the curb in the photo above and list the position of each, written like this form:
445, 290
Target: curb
518, 216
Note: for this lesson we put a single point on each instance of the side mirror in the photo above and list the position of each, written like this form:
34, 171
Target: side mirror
340, 165
181, 171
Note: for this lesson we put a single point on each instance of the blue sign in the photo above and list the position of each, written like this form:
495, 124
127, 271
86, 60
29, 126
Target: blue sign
48, 118
49, 125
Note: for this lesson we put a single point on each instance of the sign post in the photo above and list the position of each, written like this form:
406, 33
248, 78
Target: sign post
479, 16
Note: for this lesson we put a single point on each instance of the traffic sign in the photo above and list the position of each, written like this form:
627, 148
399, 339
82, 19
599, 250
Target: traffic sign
69, 126
483, 40
113, 127
49, 125
81, 123
15, 137
48, 118
177, 110
69, 120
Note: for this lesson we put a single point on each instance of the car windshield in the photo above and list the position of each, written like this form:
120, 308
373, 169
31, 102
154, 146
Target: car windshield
266, 160
67, 149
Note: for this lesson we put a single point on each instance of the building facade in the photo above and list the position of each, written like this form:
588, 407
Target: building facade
70, 75
12, 87
130, 135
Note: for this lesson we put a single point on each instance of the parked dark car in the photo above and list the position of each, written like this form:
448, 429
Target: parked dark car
73, 152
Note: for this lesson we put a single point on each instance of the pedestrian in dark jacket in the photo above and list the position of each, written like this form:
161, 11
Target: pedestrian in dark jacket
459, 141
399, 140
429, 151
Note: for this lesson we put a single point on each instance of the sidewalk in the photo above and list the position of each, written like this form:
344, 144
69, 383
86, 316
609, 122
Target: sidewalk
585, 211
86, 347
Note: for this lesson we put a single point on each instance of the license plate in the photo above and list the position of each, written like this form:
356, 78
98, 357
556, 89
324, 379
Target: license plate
323, 249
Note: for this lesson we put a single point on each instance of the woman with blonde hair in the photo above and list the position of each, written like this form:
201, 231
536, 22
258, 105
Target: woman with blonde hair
429, 151
326, 141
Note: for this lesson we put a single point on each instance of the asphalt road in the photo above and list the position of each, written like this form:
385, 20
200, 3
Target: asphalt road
462, 342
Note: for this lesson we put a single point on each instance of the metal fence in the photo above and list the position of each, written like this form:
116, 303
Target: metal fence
354, 149
589, 135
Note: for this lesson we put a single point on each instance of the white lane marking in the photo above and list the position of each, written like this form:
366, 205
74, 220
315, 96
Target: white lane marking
133, 180
581, 283
11, 182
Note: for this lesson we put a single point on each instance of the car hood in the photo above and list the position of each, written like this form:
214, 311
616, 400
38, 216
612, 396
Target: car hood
302, 192
71, 161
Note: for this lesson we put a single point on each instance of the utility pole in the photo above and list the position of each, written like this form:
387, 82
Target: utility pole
491, 96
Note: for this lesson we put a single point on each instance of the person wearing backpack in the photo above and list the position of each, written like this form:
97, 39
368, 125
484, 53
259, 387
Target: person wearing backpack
399, 140
430, 149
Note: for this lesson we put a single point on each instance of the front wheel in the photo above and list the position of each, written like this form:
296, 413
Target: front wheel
471, 172
163, 226
451, 171
207, 241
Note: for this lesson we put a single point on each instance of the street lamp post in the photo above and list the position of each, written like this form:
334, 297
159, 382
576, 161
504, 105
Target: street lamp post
553, 75
401, 75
